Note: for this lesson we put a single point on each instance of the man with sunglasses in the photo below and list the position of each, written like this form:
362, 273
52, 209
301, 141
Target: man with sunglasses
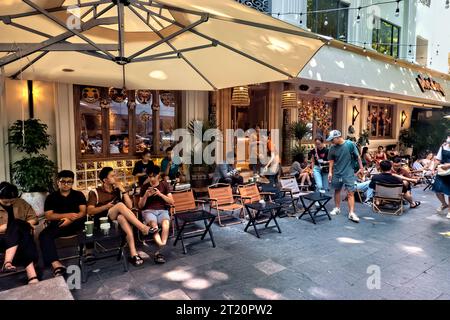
64, 210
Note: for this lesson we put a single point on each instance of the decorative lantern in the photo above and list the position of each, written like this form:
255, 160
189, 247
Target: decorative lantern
167, 98
289, 99
240, 97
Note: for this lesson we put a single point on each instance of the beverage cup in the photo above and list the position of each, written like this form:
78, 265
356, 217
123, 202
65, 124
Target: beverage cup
89, 228
104, 227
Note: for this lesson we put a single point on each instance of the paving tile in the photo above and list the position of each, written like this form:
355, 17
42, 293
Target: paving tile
269, 267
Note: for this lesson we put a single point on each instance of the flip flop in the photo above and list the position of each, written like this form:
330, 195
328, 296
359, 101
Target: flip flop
136, 260
31, 279
9, 269
60, 271
159, 259
416, 204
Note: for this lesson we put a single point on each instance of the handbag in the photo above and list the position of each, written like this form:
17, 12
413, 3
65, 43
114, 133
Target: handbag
323, 169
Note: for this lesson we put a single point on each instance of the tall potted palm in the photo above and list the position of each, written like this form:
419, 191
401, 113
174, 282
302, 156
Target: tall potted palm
34, 173
299, 130
200, 172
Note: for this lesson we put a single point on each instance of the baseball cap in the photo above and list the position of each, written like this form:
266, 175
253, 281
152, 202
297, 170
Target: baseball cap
334, 134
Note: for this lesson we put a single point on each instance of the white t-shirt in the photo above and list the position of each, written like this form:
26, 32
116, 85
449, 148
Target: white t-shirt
439, 155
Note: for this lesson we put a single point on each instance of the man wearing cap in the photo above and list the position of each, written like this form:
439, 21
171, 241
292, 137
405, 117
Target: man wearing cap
341, 156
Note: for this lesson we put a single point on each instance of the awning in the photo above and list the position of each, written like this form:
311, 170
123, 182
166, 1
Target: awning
351, 72
163, 44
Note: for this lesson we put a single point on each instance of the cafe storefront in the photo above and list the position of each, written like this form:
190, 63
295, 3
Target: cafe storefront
332, 92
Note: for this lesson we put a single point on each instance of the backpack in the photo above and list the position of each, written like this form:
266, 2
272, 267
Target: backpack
355, 163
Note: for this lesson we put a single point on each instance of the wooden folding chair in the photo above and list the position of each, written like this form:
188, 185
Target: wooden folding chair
188, 211
222, 199
290, 187
388, 194
250, 193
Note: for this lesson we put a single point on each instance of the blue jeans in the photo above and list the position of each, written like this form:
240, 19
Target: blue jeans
364, 187
320, 178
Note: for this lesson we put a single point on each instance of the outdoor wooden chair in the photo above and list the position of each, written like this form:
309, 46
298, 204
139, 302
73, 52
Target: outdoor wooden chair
250, 193
391, 194
186, 212
291, 189
222, 199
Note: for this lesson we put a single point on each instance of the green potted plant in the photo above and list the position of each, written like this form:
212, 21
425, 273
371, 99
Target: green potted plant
299, 130
200, 172
34, 173
406, 139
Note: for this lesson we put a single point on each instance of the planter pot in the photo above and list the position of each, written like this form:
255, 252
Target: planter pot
408, 151
36, 200
199, 177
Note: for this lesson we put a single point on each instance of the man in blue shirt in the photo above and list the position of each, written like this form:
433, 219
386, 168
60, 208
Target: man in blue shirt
342, 155
170, 168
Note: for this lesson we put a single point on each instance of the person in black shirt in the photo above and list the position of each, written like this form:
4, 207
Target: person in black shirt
143, 167
386, 177
65, 210
319, 163
17, 221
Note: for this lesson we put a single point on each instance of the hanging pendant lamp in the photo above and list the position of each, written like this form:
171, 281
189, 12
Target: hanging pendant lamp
289, 99
240, 97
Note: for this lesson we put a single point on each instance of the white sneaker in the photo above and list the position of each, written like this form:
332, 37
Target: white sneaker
442, 209
352, 216
335, 211
448, 215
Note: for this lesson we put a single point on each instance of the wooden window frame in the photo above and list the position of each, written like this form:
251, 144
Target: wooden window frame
105, 155
378, 104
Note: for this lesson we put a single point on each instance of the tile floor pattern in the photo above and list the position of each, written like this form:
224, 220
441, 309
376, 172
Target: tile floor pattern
329, 260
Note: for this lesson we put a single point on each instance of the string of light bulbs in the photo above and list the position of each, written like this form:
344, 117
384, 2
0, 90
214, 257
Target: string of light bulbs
394, 45
359, 8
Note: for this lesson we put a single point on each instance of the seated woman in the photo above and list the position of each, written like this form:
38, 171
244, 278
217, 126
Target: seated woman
296, 166
366, 158
380, 155
300, 170
305, 176
429, 163
17, 220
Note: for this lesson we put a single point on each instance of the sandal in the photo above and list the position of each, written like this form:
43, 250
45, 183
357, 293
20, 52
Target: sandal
416, 204
32, 279
159, 259
8, 267
136, 260
153, 230
58, 272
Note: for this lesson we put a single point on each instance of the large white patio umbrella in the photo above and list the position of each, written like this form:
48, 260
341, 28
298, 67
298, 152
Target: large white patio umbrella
163, 44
